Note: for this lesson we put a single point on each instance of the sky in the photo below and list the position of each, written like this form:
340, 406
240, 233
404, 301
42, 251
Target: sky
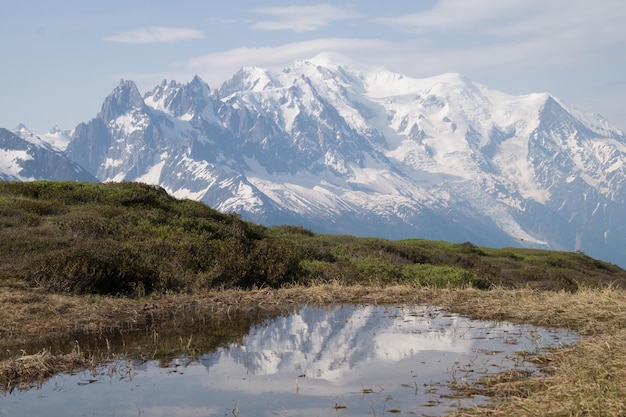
61, 58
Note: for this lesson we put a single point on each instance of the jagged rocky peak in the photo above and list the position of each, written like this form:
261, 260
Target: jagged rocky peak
197, 84
7, 136
555, 117
343, 147
21, 128
25, 157
552, 107
55, 129
163, 91
181, 100
553, 112
124, 98
24, 133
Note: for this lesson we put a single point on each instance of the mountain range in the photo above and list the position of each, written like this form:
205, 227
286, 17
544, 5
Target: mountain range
343, 148
25, 156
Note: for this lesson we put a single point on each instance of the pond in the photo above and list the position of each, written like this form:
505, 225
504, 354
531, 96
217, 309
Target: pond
345, 360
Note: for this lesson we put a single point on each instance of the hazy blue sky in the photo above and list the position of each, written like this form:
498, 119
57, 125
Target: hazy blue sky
60, 59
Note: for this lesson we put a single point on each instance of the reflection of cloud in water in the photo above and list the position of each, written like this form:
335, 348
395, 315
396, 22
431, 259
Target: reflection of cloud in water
177, 410
350, 344
303, 364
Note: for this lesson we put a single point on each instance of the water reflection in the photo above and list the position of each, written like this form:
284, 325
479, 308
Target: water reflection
348, 360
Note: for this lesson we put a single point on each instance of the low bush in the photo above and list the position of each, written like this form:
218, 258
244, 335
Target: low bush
134, 239
443, 276
103, 267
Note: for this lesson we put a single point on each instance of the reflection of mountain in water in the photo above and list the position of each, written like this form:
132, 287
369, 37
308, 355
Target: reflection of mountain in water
327, 343
411, 354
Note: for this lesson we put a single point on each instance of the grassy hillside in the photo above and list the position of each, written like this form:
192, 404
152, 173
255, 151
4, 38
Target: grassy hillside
134, 239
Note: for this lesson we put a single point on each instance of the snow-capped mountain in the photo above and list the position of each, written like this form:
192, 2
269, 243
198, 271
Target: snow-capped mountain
339, 147
26, 157
57, 138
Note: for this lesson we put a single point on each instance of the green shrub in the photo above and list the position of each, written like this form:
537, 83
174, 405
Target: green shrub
39, 207
287, 230
376, 270
134, 239
273, 263
87, 227
101, 267
443, 276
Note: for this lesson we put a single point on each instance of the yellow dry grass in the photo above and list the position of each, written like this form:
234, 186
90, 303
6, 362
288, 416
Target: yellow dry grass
587, 379
26, 371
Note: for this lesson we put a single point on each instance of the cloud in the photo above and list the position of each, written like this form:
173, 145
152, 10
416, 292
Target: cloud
519, 45
495, 38
226, 63
501, 36
302, 18
423, 60
456, 15
216, 20
155, 34
217, 67
496, 20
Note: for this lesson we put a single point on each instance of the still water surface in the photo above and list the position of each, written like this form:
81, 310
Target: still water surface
341, 361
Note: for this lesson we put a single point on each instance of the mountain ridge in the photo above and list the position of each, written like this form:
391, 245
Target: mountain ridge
339, 147
26, 157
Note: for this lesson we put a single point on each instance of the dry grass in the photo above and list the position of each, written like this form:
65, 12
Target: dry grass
37, 314
587, 379
28, 371
37, 317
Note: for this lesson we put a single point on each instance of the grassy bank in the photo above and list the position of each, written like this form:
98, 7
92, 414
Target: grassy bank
135, 240
93, 259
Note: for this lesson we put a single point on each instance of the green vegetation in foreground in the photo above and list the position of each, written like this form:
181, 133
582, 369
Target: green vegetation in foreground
133, 239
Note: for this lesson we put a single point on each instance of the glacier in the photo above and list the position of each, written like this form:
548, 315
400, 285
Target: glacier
340, 147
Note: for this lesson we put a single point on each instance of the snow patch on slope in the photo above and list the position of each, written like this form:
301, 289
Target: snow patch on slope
153, 174
10, 163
